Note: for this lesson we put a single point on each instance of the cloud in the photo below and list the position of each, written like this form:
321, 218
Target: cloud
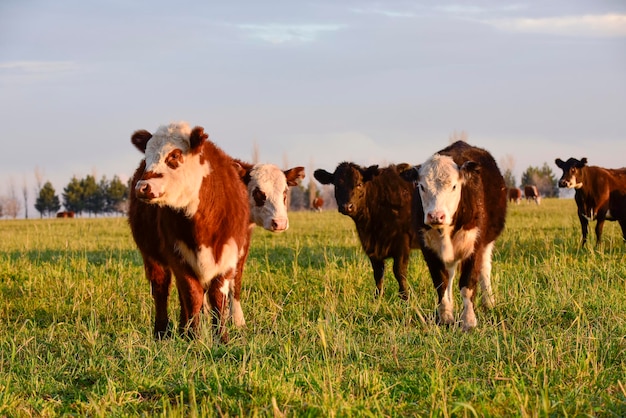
37, 67
386, 13
607, 25
281, 34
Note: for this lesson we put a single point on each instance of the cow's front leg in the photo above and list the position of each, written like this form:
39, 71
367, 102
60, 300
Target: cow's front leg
160, 280
440, 277
400, 267
584, 224
470, 269
378, 266
599, 227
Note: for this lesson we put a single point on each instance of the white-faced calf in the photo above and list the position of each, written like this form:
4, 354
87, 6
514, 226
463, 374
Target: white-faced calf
459, 210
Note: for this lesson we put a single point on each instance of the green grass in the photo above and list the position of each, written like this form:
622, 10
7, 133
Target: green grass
76, 328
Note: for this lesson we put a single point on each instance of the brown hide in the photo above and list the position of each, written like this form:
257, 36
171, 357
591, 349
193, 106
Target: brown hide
222, 215
601, 196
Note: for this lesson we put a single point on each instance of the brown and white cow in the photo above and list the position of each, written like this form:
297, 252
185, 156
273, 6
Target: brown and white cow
189, 216
459, 210
317, 204
379, 203
267, 193
515, 195
600, 194
532, 193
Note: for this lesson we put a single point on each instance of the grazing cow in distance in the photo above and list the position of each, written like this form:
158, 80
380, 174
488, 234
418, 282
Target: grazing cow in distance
317, 204
189, 217
600, 194
379, 203
531, 192
66, 214
515, 195
267, 193
459, 210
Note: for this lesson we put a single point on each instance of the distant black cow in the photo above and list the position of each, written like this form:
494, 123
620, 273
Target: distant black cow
532, 193
459, 210
379, 203
600, 194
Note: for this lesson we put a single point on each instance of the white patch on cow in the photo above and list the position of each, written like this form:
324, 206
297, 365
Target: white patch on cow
451, 249
439, 187
237, 313
271, 180
485, 277
204, 264
468, 317
446, 307
177, 187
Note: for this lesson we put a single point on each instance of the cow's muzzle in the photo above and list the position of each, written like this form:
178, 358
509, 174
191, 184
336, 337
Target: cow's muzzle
143, 191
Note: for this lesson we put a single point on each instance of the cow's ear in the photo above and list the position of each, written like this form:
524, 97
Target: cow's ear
559, 163
243, 169
197, 137
583, 162
469, 168
408, 172
370, 172
140, 139
323, 176
293, 175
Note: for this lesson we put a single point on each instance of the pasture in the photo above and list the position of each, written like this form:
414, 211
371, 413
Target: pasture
76, 320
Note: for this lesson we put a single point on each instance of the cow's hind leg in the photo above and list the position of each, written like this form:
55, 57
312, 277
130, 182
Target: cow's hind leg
400, 267
378, 266
160, 281
191, 296
487, 298
218, 295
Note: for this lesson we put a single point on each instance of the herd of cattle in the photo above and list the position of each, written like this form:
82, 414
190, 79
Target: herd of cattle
193, 208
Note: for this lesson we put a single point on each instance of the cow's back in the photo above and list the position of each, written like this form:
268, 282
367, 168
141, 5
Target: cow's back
385, 225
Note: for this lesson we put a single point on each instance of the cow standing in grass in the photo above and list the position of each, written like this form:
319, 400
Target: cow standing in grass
379, 203
515, 195
532, 193
600, 194
459, 210
189, 216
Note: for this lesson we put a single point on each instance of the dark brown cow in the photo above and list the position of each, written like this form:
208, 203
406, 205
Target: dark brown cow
515, 195
379, 203
317, 204
600, 194
66, 214
189, 216
532, 193
459, 210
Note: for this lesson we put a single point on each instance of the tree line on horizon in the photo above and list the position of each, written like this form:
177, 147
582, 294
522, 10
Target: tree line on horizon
110, 197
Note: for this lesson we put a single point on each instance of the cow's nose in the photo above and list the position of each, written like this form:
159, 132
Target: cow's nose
562, 183
279, 224
435, 217
142, 190
348, 207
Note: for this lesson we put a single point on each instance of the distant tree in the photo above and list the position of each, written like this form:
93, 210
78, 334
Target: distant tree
507, 165
543, 178
299, 198
93, 196
47, 203
116, 196
73, 196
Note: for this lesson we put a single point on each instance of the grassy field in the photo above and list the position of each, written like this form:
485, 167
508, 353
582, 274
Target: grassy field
76, 328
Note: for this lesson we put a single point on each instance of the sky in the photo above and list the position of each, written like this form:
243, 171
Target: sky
309, 83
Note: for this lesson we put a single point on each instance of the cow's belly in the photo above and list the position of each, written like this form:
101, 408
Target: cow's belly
204, 264
451, 248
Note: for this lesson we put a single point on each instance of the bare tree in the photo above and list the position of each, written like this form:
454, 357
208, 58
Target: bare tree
255, 153
507, 165
458, 136
12, 204
25, 194
312, 185
38, 179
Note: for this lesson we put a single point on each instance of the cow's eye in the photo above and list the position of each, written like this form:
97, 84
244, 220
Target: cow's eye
359, 185
421, 187
174, 159
454, 187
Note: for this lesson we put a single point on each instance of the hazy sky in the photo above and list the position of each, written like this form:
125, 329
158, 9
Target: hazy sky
313, 83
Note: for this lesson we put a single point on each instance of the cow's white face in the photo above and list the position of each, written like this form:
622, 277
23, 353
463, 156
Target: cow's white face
175, 167
267, 192
439, 185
